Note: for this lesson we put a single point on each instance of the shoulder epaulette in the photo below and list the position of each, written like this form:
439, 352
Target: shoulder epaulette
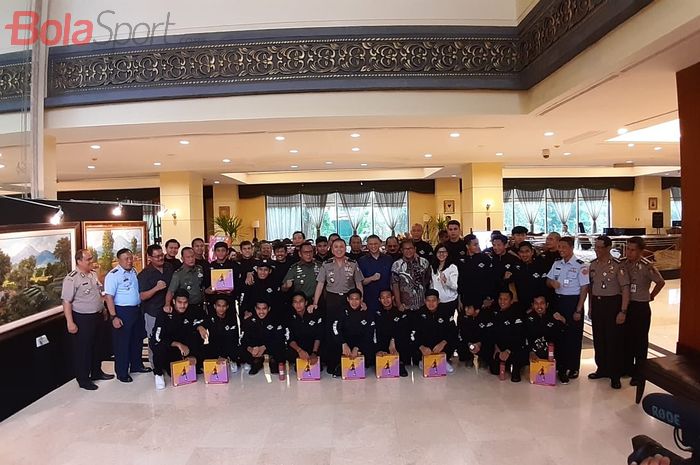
579, 261
646, 261
114, 270
72, 273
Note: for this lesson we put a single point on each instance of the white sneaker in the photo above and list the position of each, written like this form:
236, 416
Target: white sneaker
234, 367
160, 382
449, 367
420, 365
246, 367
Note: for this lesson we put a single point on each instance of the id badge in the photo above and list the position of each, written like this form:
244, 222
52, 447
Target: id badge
567, 282
633, 288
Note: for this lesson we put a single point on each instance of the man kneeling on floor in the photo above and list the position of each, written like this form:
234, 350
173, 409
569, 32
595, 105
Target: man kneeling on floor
544, 328
263, 335
393, 331
353, 331
436, 331
219, 333
509, 337
172, 337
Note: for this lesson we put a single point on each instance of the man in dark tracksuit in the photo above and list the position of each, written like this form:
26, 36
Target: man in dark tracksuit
221, 333
476, 281
544, 327
305, 331
354, 332
173, 336
530, 276
436, 331
503, 263
474, 326
262, 335
393, 331
221, 262
263, 289
509, 337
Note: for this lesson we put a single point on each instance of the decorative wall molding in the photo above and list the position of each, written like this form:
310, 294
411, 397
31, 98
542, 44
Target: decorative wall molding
332, 59
15, 75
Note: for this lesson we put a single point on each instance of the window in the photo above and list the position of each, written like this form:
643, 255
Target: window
367, 213
676, 204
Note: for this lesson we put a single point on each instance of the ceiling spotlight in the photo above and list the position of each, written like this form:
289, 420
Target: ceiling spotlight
294, 151
567, 154
453, 175
279, 138
329, 163
657, 148
355, 135
355, 149
117, 211
91, 167
499, 154
630, 145
57, 217
2, 166
226, 160
629, 161
428, 155
548, 134
622, 131
454, 135
363, 164
157, 163
294, 166
95, 147
217, 182
184, 142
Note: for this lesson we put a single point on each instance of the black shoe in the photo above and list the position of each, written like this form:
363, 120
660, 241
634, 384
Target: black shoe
515, 377
125, 379
563, 378
143, 370
596, 375
402, 371
573, 374
274, 367
102, 377
88, 386
615, 383
255, 368
337, 373
635, 382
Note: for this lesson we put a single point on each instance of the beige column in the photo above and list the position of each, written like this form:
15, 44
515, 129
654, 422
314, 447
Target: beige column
447, 195
646, 188
482, 185
665, 206
181, 193
225, 200
48, 170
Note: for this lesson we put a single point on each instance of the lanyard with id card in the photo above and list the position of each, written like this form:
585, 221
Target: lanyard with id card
571, 277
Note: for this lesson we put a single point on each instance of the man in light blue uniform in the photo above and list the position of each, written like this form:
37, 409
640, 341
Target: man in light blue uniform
122, 294
569, 277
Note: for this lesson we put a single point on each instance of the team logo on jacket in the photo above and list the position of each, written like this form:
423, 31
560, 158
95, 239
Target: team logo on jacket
363, 322
270, 327
269, 290
518, 321
536, 275
481, 265
440, 320
396, 319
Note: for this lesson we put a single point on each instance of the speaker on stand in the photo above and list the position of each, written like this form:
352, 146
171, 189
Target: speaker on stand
657, 221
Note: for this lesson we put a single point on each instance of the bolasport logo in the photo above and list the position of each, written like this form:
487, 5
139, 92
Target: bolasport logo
27, 29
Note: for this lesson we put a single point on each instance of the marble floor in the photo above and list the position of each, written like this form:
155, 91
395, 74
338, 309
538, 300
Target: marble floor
466, 418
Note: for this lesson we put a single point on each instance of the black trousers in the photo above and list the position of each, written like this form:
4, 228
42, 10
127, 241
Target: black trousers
334, 305
568, 351
608, 336
637, 326
485, 352
86, 353
277, 354
516, 361
163, 356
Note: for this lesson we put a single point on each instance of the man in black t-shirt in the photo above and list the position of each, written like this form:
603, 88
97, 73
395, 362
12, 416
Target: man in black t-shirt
456, 247
423, 249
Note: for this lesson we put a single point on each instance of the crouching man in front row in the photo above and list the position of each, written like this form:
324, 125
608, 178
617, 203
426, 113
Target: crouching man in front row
436, 331
353, 331
393, 331
219, 334
509, 337
263, 335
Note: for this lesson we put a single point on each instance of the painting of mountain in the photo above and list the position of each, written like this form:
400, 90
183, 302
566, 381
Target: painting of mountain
107, 238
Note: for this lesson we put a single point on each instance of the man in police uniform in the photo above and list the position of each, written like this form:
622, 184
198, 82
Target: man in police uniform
641, 273
569, 277
337, 276
189, 277
122, 296
301, 277
83, 306
610, 295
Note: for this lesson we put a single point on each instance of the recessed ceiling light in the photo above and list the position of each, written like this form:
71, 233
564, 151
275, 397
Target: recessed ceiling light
567, 153
279, 138
363, 164
294, 151
657, 148
629, 161
453, 175
499, 154
294, 166
2, 166
91, 167
622, 131
355, 149
95, 147
157, 163
217, 182
355, 135
226, 160
548, 134
630, 145
184, 142
454, 135
329, 163
428, 155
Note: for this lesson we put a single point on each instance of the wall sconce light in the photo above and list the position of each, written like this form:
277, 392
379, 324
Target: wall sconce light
174, 214
488, 217
256, 226
117, 211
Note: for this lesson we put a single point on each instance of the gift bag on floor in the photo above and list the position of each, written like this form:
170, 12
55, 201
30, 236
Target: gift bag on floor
183, 372
353, 368
387, 366
434, 365
308, 372
543, 372
216, 371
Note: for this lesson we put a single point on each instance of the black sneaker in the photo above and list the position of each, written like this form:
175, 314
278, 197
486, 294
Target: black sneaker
573, 374
255, 367
101, 377
615, 383
88, 386
515, 377
563, 378
402, 370
274, 367
337, 373
635, 382
125, 379
596, 375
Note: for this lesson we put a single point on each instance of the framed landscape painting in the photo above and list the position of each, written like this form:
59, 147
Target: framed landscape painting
105, 238
34, 259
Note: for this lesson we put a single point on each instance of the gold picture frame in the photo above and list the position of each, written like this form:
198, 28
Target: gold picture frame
653, 203
448, 206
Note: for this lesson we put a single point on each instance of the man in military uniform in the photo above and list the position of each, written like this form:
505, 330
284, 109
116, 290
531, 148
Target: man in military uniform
122, 296
610, 295
641, 273
200, 253
569, 277
83, 307
301, 277
189, 277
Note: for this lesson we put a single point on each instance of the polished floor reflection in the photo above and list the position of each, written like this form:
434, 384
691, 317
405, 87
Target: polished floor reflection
664, 316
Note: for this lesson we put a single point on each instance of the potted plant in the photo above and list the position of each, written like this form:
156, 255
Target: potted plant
229, 225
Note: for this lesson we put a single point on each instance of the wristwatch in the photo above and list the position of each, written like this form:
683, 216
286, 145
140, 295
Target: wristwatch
112, 317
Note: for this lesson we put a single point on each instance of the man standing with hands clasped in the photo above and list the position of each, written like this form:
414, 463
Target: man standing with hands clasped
376, 267
83, 306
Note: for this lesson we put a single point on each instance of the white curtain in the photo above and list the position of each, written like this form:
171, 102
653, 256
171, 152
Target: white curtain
676, 203
530, 201
594, 200
563, 200
283, 216
391, 205
314, 208
355, 205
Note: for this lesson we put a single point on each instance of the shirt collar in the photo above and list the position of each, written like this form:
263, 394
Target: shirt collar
119, 267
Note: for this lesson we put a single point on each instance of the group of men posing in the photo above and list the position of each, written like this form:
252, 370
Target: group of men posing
501, 306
